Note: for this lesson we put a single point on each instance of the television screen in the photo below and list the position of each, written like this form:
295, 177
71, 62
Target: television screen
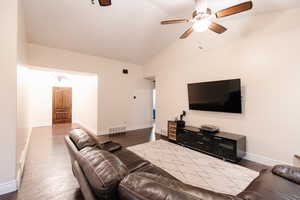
218, 96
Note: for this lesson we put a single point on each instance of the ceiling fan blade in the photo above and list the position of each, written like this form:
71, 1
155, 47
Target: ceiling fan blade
177, 21
105, 2
235, 9
187, 33
217, 28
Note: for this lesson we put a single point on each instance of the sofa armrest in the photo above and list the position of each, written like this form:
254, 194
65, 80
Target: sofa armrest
83, 183
109, 146
146, 186
288, 172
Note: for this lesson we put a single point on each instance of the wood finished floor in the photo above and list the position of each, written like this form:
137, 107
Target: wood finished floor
48, 174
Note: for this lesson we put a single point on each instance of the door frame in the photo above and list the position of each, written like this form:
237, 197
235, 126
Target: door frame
53, 103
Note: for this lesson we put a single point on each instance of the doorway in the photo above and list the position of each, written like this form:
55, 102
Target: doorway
154, 103
62, 105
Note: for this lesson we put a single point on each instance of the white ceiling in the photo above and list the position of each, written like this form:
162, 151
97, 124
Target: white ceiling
128, 30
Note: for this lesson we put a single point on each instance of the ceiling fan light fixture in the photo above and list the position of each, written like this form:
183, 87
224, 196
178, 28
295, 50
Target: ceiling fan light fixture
201, 25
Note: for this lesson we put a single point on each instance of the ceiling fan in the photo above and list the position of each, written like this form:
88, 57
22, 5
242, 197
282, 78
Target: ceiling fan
103, 2
202, 16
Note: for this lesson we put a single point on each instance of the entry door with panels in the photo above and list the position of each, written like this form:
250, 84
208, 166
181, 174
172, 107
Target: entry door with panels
62, 105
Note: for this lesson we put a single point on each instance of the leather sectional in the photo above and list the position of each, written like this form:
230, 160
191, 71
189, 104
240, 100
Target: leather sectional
107, 171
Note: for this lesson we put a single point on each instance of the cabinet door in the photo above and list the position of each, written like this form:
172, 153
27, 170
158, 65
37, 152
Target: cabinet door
180, 137
226, 149
185, 137
205, 143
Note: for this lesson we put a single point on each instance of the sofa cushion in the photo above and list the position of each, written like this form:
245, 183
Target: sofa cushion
81, 139
103, 171
288, 172
147, 186
131, 160
271, 187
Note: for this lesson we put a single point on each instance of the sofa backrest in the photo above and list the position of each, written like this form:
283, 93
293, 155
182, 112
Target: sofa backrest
271, 186
103, 170
144, 186
81, 139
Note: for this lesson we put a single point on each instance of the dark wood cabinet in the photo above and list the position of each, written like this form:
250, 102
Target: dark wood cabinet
227, 146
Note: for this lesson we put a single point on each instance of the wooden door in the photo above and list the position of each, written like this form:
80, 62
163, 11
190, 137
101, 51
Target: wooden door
62, 105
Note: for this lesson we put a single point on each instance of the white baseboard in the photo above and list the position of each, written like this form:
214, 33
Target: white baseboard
94, 132
36, 125
22, 160
8, 187
264, 160
138, 127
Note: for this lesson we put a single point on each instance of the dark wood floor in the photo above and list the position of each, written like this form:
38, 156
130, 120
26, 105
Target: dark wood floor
48, 172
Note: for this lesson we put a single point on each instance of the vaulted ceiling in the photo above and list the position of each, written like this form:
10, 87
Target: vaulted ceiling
128, 30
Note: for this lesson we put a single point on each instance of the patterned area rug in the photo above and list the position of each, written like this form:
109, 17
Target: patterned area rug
195, 168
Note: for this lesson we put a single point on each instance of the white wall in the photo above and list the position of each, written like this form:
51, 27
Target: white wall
8, 92
116, 106
23, 126
40, 97
23, 121
85, 102
264, 53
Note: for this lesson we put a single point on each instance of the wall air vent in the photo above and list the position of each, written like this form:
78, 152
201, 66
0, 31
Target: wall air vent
117, 130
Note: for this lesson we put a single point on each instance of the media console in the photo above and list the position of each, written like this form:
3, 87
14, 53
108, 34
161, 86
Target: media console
227, 146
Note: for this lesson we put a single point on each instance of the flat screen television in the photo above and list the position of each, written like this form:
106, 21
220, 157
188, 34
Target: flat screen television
217, 96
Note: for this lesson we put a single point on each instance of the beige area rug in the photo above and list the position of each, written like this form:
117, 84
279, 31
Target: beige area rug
196, 168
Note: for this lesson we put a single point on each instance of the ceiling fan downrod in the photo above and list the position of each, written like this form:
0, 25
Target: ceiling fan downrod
201, 6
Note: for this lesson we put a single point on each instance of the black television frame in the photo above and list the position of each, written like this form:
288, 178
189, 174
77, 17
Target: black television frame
238, 96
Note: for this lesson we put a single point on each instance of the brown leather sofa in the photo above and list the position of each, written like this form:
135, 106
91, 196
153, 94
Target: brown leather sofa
109, 172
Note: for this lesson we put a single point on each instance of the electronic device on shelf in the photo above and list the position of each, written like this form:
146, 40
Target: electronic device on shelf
211, 129
192, 129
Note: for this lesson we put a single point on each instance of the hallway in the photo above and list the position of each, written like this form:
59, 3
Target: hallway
48, 173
